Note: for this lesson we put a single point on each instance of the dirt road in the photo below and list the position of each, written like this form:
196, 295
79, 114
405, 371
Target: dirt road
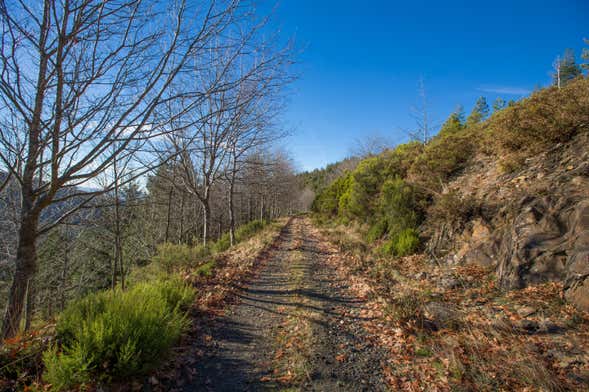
294, 328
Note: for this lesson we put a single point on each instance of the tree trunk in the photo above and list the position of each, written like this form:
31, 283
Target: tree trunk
206, 222
231, 211
169, 215
30, 304
64, 273
26, 263
181, 234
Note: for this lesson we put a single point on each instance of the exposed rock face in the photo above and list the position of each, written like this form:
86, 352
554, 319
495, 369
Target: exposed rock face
548, 241
534, 248
533, 226
577, 278
481, 247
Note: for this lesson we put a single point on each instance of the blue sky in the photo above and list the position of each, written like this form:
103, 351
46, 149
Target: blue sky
362, 60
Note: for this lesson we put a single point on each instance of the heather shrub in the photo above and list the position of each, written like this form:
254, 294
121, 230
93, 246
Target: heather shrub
172, 257
547, 117
114, 334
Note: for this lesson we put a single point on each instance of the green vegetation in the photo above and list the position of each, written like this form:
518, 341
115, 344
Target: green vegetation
113, 334
175, 257
109, 335
393, 193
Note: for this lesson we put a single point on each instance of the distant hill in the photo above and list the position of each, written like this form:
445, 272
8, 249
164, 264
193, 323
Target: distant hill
319, 179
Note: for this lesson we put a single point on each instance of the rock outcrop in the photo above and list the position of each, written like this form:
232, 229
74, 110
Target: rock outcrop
533, 225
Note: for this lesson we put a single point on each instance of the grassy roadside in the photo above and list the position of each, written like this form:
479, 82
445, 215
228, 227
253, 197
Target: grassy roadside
450, 328
216, 289
111, 337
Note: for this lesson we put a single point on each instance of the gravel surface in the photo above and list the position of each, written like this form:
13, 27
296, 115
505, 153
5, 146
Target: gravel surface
239, 346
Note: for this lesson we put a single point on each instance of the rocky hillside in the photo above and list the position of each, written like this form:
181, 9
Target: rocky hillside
509, 192
531, 225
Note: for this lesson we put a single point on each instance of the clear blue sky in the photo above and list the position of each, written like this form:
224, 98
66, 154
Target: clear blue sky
362, 61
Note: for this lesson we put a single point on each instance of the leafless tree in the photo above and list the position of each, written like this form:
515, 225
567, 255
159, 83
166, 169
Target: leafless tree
81, 85
421, 115
370, 145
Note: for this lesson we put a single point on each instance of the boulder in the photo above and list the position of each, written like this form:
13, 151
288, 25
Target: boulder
479, 246
442, 315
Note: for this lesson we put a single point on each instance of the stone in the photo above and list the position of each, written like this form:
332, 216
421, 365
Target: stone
441, 314
448, 282
537, 247
479, 246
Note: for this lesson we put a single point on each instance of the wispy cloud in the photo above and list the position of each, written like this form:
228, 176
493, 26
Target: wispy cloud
507, 90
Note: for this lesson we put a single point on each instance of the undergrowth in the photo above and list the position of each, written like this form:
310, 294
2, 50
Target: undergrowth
114, 334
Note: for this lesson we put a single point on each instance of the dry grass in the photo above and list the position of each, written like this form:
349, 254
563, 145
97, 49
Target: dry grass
485, 345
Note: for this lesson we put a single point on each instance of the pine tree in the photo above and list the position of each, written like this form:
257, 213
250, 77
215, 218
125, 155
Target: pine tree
454, 123
565, 69
585, 56
479, 113
499, 104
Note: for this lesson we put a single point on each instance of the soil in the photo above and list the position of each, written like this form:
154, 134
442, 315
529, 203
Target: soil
240, 347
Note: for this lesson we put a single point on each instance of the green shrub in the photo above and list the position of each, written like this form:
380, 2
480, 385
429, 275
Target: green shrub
328, 201
444, 156
114, 334
206, 269
246, 231
377, 230
402, 243
547, 117
176, 256
222, 244
406, 242
398, 205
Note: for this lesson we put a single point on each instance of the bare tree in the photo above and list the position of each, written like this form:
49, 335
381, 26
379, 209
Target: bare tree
421, 115
212, 136
370, 145
81, 83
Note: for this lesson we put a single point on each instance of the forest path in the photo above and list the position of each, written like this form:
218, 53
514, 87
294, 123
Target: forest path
296, 327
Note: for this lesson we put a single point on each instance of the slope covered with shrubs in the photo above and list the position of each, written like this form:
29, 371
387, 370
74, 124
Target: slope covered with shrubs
395, 196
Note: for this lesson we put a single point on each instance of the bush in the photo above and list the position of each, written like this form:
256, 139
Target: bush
246, 231
222, 244
402, 243
547, 117
451, 209
377, 230
444, 156
114, 334
406, 242
176, 256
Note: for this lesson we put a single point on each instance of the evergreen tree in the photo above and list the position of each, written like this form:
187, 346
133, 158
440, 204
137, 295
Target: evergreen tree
454, 123
565, 69
585, 56
499, 104
479, 113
